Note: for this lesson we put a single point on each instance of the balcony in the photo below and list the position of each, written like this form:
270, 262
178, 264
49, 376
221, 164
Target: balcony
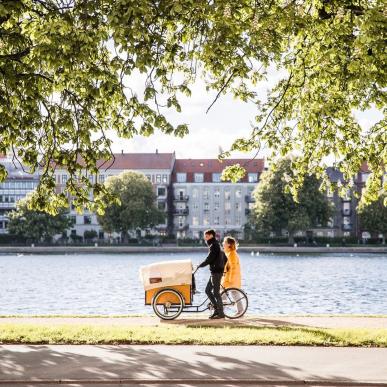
347, 227
181, 211
249, 199
181, 198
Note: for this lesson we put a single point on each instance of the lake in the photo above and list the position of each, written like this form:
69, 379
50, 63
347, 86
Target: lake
108, 284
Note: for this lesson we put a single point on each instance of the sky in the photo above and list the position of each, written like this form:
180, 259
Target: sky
210, 132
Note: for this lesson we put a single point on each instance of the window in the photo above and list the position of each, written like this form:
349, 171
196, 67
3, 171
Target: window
238, 206
227, 206
216, 177
12, 199
195, 221
216, 206
252, 177
87, 219
238, 193
347, 195
101, 179
195, 206
206, 221
205, 194
165, 179
149, 177
227, 220
238, 220
73, 219
181, 221
199, 177
64, 179
181, 194
346, 208
206, 206
161, 191
364, 177
158, 178
216, 220
227, 195
181, 177
161, 206
217, 193
195, 193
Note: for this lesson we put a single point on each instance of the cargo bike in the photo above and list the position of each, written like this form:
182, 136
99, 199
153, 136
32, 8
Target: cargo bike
170, 287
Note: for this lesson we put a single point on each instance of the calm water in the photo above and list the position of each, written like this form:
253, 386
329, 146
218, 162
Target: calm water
109, 284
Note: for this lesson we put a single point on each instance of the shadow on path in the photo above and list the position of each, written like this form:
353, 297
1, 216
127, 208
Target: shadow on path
137, 362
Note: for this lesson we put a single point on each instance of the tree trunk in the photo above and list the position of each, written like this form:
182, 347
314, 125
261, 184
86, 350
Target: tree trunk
124, 237
291, 238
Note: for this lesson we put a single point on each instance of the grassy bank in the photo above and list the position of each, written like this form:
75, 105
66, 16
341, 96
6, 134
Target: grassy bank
20, 333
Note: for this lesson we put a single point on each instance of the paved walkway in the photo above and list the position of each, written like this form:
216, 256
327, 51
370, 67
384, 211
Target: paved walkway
82, 365
201, 319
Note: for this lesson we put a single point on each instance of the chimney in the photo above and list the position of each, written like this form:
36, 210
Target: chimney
122, 151
157, 151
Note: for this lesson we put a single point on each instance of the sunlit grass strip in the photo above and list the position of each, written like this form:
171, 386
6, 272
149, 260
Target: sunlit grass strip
87, 334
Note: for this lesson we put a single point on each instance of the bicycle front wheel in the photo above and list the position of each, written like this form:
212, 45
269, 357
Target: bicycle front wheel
168, 304
235, 302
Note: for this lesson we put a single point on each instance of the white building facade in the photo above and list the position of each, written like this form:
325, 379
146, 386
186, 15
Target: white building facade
202, 201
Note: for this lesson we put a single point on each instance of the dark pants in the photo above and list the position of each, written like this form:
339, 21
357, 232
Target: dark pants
213, 292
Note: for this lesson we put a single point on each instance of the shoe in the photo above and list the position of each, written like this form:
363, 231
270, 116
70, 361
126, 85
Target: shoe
217, 317
213, 315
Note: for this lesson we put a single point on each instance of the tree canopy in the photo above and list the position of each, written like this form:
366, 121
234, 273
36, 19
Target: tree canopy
35, 225
66, 68
135, 208
373, 218
275, 209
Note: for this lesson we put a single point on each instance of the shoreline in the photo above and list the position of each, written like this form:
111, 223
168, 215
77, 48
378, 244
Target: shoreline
176, 249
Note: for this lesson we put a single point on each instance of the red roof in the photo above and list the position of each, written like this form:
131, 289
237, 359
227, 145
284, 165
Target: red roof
215, 166
140, 161
210, 166
136, 161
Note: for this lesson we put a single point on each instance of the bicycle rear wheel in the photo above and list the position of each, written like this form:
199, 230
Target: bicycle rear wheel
235, 302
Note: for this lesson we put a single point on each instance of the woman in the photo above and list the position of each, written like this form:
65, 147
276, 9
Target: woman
232, 270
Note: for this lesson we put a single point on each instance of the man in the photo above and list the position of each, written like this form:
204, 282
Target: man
216, 261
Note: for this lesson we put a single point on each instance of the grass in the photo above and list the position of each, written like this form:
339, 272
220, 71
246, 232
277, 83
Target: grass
22, 333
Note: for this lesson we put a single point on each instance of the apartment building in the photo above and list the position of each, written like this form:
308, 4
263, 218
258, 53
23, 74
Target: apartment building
17, 185
201, 200
157, 167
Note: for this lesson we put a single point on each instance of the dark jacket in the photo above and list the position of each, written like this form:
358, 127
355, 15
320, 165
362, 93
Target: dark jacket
215, 257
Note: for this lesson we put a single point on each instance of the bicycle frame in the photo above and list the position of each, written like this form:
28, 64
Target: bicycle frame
196, 308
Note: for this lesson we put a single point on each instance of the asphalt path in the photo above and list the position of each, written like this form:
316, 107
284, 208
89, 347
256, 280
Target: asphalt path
85, 365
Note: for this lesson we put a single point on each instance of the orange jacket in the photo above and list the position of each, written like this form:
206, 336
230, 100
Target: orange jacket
232, 276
